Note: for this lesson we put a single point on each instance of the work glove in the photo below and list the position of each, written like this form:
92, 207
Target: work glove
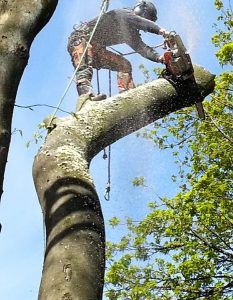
164, 32
161, 59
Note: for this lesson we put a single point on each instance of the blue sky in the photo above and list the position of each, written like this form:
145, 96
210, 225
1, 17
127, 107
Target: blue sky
44, 81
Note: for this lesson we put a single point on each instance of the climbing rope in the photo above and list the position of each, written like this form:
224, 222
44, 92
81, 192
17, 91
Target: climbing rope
105, 156
133, 52
103, 9
98, 81
108, 185
105, 5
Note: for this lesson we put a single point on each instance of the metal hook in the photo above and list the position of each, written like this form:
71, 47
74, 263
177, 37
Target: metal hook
107, 192
105, 154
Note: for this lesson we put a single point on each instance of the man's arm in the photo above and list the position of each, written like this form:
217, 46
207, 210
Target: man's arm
146, 51
142, 23
72, 41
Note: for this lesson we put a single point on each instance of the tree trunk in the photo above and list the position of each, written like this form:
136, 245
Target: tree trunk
20, 21
74, 258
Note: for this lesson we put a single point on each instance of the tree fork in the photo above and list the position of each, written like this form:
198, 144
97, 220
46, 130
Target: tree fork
75, 239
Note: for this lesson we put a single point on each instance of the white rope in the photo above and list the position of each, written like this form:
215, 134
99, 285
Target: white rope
104, 8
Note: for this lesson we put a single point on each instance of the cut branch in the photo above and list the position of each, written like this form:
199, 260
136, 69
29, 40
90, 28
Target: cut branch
73, 218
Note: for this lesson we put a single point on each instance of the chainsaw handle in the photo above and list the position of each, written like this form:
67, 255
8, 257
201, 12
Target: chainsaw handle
169, 40
172, 33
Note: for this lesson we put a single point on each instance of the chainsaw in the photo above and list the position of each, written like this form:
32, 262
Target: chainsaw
179, 67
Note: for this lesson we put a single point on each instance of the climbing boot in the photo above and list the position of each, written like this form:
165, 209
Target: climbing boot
98, 97
89, 96
86, 89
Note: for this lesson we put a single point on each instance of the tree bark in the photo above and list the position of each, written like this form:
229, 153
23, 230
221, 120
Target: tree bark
20, 21
74, 258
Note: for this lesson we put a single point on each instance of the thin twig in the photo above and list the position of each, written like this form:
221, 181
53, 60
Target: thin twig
43, 105
219, 129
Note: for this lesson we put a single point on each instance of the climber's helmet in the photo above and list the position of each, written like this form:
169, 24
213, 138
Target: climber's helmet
146, 9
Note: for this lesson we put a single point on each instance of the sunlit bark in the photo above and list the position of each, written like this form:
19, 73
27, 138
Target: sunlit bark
20, 21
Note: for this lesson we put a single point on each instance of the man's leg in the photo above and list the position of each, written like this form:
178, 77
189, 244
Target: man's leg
105, 59
85, 70
124, 81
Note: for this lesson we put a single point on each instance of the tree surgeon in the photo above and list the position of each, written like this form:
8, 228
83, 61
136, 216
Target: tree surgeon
117, 26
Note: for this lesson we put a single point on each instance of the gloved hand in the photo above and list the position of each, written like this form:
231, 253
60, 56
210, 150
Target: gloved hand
164, 32
161, 59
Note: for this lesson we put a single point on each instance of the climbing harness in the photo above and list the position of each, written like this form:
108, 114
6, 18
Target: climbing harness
103, 9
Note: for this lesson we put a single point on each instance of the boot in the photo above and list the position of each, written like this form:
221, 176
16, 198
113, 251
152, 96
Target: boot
87, 90
85, 93
84, 89
98, 97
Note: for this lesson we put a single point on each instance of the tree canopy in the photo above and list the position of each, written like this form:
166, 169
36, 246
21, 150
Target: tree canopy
183, 249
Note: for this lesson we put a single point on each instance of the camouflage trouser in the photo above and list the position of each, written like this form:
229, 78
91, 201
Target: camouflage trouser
100, 58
